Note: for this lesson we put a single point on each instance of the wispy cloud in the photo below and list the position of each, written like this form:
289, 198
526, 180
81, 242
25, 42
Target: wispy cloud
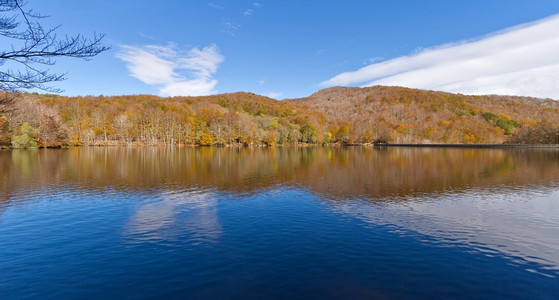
213, 5
230, 28
522, 60
250, 11
177, 72
145, 36
320, 52
372, 60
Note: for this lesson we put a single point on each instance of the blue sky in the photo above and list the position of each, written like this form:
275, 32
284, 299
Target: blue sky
288, 49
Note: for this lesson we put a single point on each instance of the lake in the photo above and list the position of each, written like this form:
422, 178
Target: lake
267, 223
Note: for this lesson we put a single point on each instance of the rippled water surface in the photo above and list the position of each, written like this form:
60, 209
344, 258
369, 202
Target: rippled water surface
327, 223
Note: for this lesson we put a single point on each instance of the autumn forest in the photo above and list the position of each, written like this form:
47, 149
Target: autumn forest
332, 116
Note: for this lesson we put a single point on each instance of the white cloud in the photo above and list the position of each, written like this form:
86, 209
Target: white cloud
256, 4
146, 66
176, 72
203, 62
274, 95
196, 87
521, 60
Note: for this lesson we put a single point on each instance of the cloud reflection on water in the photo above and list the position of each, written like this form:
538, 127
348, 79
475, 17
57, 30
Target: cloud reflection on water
520, 224
487, 200
175, 213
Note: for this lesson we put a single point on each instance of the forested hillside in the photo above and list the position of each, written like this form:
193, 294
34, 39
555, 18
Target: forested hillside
403, 115
238, 118
334, 115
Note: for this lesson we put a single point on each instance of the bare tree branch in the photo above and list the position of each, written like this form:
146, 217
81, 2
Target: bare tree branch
34, 46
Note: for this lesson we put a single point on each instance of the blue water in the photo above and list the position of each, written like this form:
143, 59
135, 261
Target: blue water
254, 224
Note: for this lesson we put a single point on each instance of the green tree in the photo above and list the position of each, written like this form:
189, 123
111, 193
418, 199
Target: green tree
308, 134
327, 138
27, 137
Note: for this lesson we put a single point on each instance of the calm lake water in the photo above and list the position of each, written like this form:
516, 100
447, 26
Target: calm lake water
327, 223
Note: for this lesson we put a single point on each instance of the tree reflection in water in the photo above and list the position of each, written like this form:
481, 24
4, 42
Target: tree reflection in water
492, 200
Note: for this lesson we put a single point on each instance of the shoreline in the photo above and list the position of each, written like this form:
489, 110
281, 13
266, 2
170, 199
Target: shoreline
478, 146
463, 146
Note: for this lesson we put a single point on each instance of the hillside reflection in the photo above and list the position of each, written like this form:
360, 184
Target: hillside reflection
371, 174
488, 200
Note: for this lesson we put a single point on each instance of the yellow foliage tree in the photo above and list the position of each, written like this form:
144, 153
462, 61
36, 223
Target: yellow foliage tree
206, 139
270, 139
